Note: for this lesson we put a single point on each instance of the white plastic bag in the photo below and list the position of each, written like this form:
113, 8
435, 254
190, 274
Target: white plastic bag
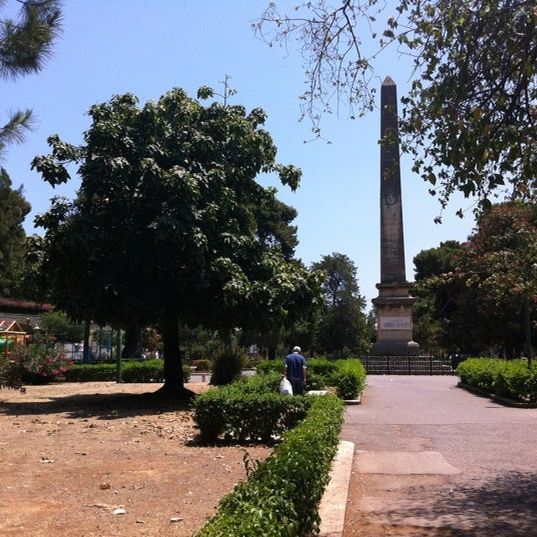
285, 387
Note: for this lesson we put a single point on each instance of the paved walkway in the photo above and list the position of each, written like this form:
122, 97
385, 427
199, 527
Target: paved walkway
434, 460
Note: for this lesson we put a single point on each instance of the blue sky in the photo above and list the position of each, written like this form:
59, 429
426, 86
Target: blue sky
146, 47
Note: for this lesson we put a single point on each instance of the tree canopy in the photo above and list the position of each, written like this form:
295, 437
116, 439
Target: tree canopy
483, 292
470, 117
500, 257
25, 44
342, 329
13, 210
436, 261
438, 297
57, 327
166, 223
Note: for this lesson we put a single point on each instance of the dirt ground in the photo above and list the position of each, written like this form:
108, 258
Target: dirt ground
94, 459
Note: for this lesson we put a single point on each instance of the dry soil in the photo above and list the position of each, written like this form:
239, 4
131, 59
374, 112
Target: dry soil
99, 459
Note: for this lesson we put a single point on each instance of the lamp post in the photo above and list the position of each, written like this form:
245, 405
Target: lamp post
527, 327
119, 365
528, 269
526, 313
37, 331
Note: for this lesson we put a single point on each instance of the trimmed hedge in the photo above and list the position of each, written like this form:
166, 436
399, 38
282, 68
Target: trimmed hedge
318, 366
347, 376
270, 366
322, 366
506, 378
201, 365
248, 409
281, 496
148, 371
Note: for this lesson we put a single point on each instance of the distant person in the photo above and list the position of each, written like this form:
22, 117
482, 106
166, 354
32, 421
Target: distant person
295, 370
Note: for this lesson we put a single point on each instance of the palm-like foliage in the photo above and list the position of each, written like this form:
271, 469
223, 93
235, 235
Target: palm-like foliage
25, 44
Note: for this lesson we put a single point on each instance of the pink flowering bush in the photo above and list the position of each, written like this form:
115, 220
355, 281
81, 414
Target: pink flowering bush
37, 364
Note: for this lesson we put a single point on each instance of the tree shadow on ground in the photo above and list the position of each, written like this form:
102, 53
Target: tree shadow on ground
505, 505
108, 406
228, 441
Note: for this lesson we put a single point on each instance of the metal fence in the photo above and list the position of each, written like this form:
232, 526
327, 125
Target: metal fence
408, 365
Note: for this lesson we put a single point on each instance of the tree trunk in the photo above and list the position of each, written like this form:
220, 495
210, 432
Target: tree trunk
272, 353
86, 348
132, 342
173, 370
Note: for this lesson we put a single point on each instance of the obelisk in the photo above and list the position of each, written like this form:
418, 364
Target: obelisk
394, 303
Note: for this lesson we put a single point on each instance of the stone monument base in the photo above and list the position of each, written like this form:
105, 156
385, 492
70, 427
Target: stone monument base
394, 321
395, 348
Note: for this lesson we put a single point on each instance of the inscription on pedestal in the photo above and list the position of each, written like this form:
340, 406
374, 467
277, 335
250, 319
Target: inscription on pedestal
395, 323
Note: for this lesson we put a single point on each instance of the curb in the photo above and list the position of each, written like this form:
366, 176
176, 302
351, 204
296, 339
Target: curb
334, 501
356, 401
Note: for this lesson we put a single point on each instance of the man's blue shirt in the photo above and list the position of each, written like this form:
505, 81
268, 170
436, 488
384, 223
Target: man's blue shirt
295, 366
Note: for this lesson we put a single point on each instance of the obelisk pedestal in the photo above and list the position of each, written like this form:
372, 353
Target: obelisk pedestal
394, 303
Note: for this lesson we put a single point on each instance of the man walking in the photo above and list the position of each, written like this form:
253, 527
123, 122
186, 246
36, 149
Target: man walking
295, 370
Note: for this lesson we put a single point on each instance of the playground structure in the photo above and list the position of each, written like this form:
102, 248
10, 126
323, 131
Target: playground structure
11, 337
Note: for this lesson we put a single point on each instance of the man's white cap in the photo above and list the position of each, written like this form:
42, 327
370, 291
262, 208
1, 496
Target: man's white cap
297, 349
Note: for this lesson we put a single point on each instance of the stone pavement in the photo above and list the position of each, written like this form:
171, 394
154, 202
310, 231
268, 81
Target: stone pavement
433, 460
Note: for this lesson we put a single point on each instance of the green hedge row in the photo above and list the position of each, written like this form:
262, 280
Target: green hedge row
248, 409
148, 371
507, 378
281, 496
347, 376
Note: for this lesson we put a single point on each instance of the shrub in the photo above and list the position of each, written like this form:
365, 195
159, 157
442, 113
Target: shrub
349, 378
479, 372
270, 366
514, 379
10, 373
92, 372
33, 364
253, 362
261, 383
322, 366
315, 382
508, 378
280, 497
248, 409
148, 371
201, 365
227, 367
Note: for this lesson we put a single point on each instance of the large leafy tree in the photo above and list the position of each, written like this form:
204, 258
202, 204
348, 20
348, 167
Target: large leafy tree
13, 210
274, 225
499, 265
165, 224
31, 283
479, 296
25, 43
438, 296
342, 329
57, 327
470, 116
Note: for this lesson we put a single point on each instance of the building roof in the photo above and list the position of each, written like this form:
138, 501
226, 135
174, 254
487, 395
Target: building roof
23, 306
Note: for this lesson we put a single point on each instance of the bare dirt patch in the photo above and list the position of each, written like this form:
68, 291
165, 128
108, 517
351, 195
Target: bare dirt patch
98, 459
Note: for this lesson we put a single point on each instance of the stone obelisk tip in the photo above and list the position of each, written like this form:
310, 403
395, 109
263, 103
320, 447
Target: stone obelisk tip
388, 81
